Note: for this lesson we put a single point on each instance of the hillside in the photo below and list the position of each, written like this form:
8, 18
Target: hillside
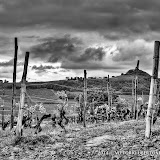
139, 73
122, 83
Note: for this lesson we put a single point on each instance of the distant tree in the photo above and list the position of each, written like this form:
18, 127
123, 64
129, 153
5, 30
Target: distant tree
98, 97
5, 81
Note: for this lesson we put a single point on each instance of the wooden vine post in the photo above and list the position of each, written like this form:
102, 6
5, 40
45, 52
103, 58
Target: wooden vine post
79, 103
14, 82
92, 105
109, 105
132, 88
153, 89
79, 100
3, 107
158, 89
22, 97
3, 118
142, 98
133, 98
85, 98
111, 97
136, 87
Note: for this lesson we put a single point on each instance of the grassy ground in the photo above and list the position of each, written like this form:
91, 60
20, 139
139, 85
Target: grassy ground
130, 99
109, 141
47, 96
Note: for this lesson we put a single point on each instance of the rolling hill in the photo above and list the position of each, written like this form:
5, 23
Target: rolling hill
44, 91
122, 84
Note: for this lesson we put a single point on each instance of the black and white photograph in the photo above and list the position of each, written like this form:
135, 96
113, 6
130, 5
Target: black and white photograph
79, 80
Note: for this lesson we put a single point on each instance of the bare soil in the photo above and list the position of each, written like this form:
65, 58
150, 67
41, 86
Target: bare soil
108, 141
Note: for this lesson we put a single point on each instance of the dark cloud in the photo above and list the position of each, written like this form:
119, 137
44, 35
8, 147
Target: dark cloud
125, 21
56, 49
31, 37
40, 72
6, 45
130, 17
95, 54
41, 67
90, 66
45, 68
64, 70
10, 63
7, 72
129, 52
4, 41
6, 64
67, 50
72, 53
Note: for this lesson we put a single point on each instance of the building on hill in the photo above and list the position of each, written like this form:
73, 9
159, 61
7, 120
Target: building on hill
5, 81
67, 78
105, 77
74, 78
80, 78
91, 77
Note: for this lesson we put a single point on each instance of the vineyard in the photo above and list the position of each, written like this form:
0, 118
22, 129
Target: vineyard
35, 96
81, 119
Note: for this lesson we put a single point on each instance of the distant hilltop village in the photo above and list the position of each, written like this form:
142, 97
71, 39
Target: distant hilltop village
81, 78
5, 81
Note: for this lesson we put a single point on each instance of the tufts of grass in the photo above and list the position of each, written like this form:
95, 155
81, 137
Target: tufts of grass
33, 140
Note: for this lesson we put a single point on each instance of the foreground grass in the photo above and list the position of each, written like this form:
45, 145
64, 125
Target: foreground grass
125, 141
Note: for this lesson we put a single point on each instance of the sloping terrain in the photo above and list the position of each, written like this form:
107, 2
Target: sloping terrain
111, 141
44, 91
122, 83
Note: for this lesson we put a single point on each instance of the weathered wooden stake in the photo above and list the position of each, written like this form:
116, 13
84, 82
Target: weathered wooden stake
108, 93
132, 88
79, 103
22, 97
136, 87
92, 105
136, 97
133, 98
14, 82
137, 67
3, 106
158, 89
142, 98
85, 98
153, 89
79, 99
3, 118
111, 96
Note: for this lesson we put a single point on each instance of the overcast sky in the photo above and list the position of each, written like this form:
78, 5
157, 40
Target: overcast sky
65, 37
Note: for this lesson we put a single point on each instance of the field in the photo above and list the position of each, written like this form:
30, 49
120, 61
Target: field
49, 99
130, 99
110, 141
46, 96
113, 140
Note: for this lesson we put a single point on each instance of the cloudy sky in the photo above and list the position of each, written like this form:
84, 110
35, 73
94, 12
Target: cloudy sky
64, 37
